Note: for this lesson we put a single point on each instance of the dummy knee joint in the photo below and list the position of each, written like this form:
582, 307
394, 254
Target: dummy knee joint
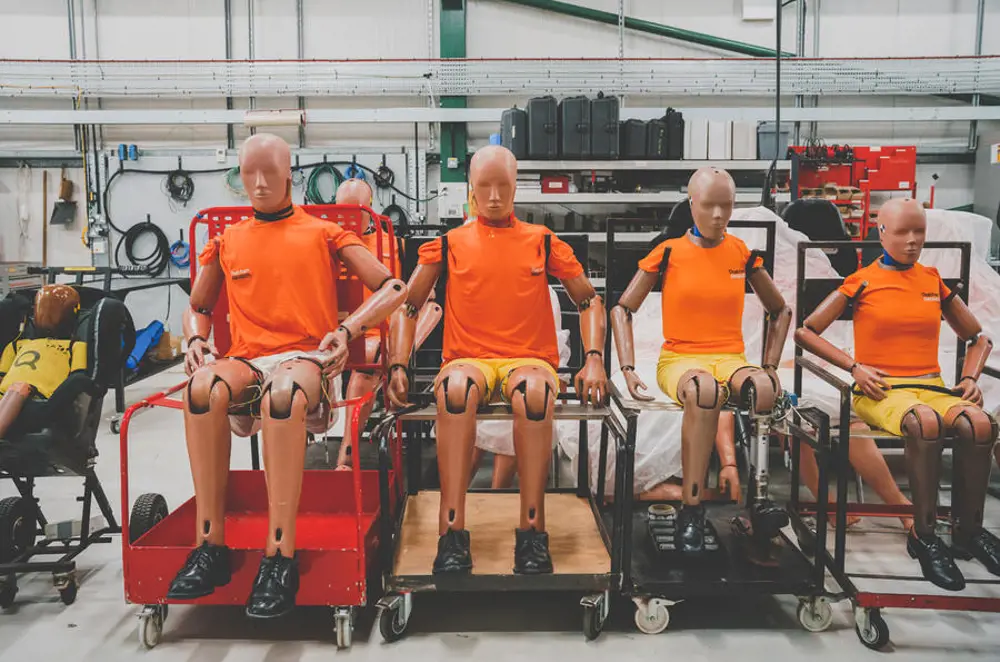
457, 388
702, 390
760, 388
977, 426
922, 422
537, 394
200, 388
280, 393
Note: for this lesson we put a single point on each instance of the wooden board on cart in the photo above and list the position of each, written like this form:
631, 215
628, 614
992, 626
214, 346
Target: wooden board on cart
574, 540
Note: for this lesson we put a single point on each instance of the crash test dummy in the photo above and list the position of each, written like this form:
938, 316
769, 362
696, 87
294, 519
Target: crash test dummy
280, 270
364, 381
702, 364
32, 369
898, 304
499, 343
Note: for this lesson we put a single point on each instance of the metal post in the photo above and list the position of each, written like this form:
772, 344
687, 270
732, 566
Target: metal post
813, 126
800, 51
71, 18
974, 125
230, 137
300, 20
250, 52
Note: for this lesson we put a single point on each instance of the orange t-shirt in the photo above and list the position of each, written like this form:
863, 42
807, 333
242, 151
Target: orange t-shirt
281, 280
394, 266
497, 304
897, 318
703, 294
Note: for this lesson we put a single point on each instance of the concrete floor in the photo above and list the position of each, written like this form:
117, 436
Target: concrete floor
101, 626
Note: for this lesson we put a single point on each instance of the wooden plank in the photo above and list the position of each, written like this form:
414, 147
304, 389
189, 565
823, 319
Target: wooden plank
574, 541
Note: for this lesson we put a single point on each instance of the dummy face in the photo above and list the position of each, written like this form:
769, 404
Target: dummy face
712, 194
902, 229
55, 305
493, 176
355, 192
266, 171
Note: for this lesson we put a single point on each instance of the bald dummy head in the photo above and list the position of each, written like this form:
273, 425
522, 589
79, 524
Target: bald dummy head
266, 172
713, 194
355, 192
902, 225
493, 178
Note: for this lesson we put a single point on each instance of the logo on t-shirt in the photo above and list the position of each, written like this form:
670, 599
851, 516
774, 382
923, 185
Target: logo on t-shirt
737, 273
930, 296
238, 274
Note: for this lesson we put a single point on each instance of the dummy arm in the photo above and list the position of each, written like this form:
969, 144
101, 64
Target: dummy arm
779, 316
403, 329
592, 381
197, 318
621, 324
967, 327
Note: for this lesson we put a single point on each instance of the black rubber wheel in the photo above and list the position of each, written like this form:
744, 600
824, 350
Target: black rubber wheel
116, 426
8, 591
147, 511
68, 594
877, 635
17, 528
391, 625
593, 624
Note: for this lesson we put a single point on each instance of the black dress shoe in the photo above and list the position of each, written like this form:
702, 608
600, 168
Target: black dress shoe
690, 535
767, 518
454, 553
274, 590
206, 568
982, 546
936, 561
531, 552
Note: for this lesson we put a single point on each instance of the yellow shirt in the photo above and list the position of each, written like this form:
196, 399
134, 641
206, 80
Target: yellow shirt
44, 363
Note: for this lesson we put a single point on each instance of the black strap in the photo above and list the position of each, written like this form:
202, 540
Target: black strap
754, 254
851, 300
959, 286
441, 288
548, 249
663, 263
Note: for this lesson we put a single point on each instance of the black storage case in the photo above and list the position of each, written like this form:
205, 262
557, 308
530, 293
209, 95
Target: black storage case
514, 131
543, 139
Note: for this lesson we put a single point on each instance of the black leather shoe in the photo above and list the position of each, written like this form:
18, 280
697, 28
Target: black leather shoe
531, 552
982, 546
274, 590
206, 568
936, 561
767, 518
690, 535
454, 552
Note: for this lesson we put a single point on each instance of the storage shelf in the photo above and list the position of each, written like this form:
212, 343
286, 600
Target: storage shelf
747, 164
536, 197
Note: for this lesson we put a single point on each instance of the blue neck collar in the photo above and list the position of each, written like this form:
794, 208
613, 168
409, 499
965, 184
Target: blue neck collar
694, 231
889, 262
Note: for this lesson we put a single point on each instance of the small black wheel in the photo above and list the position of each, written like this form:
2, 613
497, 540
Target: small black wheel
147, 511
116, 426
17, 528
876, 636
68, 593
8, 591
391, 623
593, 624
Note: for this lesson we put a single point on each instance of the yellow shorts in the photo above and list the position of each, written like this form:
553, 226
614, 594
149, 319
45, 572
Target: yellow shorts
672, 366
497, 372
887, 414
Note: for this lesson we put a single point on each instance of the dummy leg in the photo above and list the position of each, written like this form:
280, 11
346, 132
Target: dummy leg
459, 391
923, 429
292, 391
360, 384
702, 399
531, 390
504, 468
11, 405
977, 433
207, 400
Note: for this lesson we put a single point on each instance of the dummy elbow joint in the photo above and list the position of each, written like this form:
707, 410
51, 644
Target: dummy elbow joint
626, 310
589, 301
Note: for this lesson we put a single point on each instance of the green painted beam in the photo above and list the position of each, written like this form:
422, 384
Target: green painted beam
650, 27
454, 135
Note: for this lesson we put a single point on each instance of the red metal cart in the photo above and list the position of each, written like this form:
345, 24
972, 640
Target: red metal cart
339, 512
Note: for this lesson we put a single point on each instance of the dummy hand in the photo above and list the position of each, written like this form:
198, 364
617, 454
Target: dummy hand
968, 389
399, 387
335, 343
592, 382
194, 358
870, 381
729, 478
635, 385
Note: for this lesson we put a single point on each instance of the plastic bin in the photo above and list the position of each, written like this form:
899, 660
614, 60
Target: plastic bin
767, 142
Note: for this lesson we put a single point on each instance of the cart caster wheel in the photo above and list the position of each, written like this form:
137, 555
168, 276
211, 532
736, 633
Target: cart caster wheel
344, 625
151, 626
68, 593
595, 613
116, 426
147, 511
652, 616
815, 614
393, 617
871, 628
8, 591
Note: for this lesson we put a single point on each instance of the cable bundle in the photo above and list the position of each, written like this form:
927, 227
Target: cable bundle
313, 194
157, 261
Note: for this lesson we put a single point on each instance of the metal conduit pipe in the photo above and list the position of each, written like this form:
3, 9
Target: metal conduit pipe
974, 125
650, 27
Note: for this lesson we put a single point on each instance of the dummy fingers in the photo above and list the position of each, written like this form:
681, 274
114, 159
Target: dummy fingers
636, 386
